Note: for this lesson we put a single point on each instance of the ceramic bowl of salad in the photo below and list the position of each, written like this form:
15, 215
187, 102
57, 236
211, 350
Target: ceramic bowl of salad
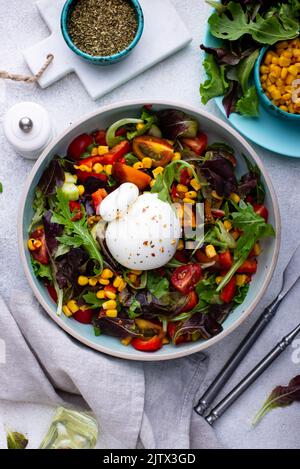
149, 232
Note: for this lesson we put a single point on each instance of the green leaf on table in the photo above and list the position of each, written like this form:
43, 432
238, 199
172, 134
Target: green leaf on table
234, 22
247, 105
16, 440
216, 83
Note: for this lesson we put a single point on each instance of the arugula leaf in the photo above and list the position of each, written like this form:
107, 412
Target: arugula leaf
218, 236
91, 299
149, 119
216, 83
234, 22
39, 205
247, 105
41, 270
157, 285
77, 229
254, 228
74, 241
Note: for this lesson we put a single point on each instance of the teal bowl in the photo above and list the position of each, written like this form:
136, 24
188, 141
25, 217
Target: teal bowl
101, 60
217, 130
267, 103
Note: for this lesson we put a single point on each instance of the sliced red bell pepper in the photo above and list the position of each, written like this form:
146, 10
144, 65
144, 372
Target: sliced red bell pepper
225, 260
98, 196
151, 345
75, 207
203, 259
261, 210
84, 316
248, 267
111, 157
228, 291
184, 177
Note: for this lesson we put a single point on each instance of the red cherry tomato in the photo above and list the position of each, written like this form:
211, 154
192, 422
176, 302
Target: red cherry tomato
75, 207
40, 254
151, 345
84, 316
79, 146
261, 210
100, 137
181, 256
191, 302
225, 260
197, 144
52, 292
228, 291
249, 267
185, 277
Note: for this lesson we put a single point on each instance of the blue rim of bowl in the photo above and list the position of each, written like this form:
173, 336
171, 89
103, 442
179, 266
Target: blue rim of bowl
107, 59
264, 98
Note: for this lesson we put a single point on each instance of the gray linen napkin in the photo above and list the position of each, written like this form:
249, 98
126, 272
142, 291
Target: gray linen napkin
136, 404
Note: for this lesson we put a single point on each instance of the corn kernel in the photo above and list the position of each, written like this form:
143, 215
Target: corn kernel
84, 167
276, 94
235, 197
216, 196
93, 281
107, 273
140, 126
103, 281
177, 156
187, 200
289, 79
283, 108
94, 151
98, 168
218, 279
165, 341
117, 281
284, 72
284, 61
137, 272
227, 225
268, 58
241, 279
122, 286
182, 188
256, 249
132, 278
67, 311
180, 245
195, 184
102, 150
34, 244
138, 165
81, 189
82, 281
263, 78
157, 171
264, 69
191, 194
110, 295
152, 183
147, 163
101, 294
110, 304
108, 169
73, 307
126, 341
210, 251
111, 313
287, 53
293, 70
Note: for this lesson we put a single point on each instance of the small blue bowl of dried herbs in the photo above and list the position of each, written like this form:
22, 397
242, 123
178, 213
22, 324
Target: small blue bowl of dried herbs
102, 32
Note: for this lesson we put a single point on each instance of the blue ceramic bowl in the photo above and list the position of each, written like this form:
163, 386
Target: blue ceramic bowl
101, 60
217, 130
264, 98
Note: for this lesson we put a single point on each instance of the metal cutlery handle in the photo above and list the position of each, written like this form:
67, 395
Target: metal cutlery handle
237, 357
234, 394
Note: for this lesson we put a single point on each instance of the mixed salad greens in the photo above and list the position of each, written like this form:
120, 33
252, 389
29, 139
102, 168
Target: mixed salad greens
188, 298
243, 28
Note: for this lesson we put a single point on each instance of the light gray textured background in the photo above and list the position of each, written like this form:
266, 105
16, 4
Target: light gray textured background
178, 78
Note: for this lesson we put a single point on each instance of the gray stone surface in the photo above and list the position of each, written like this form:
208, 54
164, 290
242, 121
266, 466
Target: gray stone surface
178, 77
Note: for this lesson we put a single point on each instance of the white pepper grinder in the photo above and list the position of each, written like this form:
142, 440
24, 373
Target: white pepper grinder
28, 129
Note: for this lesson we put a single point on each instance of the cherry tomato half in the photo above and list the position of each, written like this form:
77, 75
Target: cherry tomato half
197, 144
100, 137
79, 146
261, 210
228, 291
84, 316
192, 300
158, 149
225, 260
185, 277
151, 345
248, 267
75, 207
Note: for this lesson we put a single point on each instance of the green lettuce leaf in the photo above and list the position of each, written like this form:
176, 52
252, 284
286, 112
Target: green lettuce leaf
247, 105
216, 83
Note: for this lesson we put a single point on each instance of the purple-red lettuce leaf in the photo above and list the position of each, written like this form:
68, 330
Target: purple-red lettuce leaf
226, 56
231, 97
118, 327
69, 266
247, 184
219, 172
198, 326
175, 124
52, 178
281, 396
52, 230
